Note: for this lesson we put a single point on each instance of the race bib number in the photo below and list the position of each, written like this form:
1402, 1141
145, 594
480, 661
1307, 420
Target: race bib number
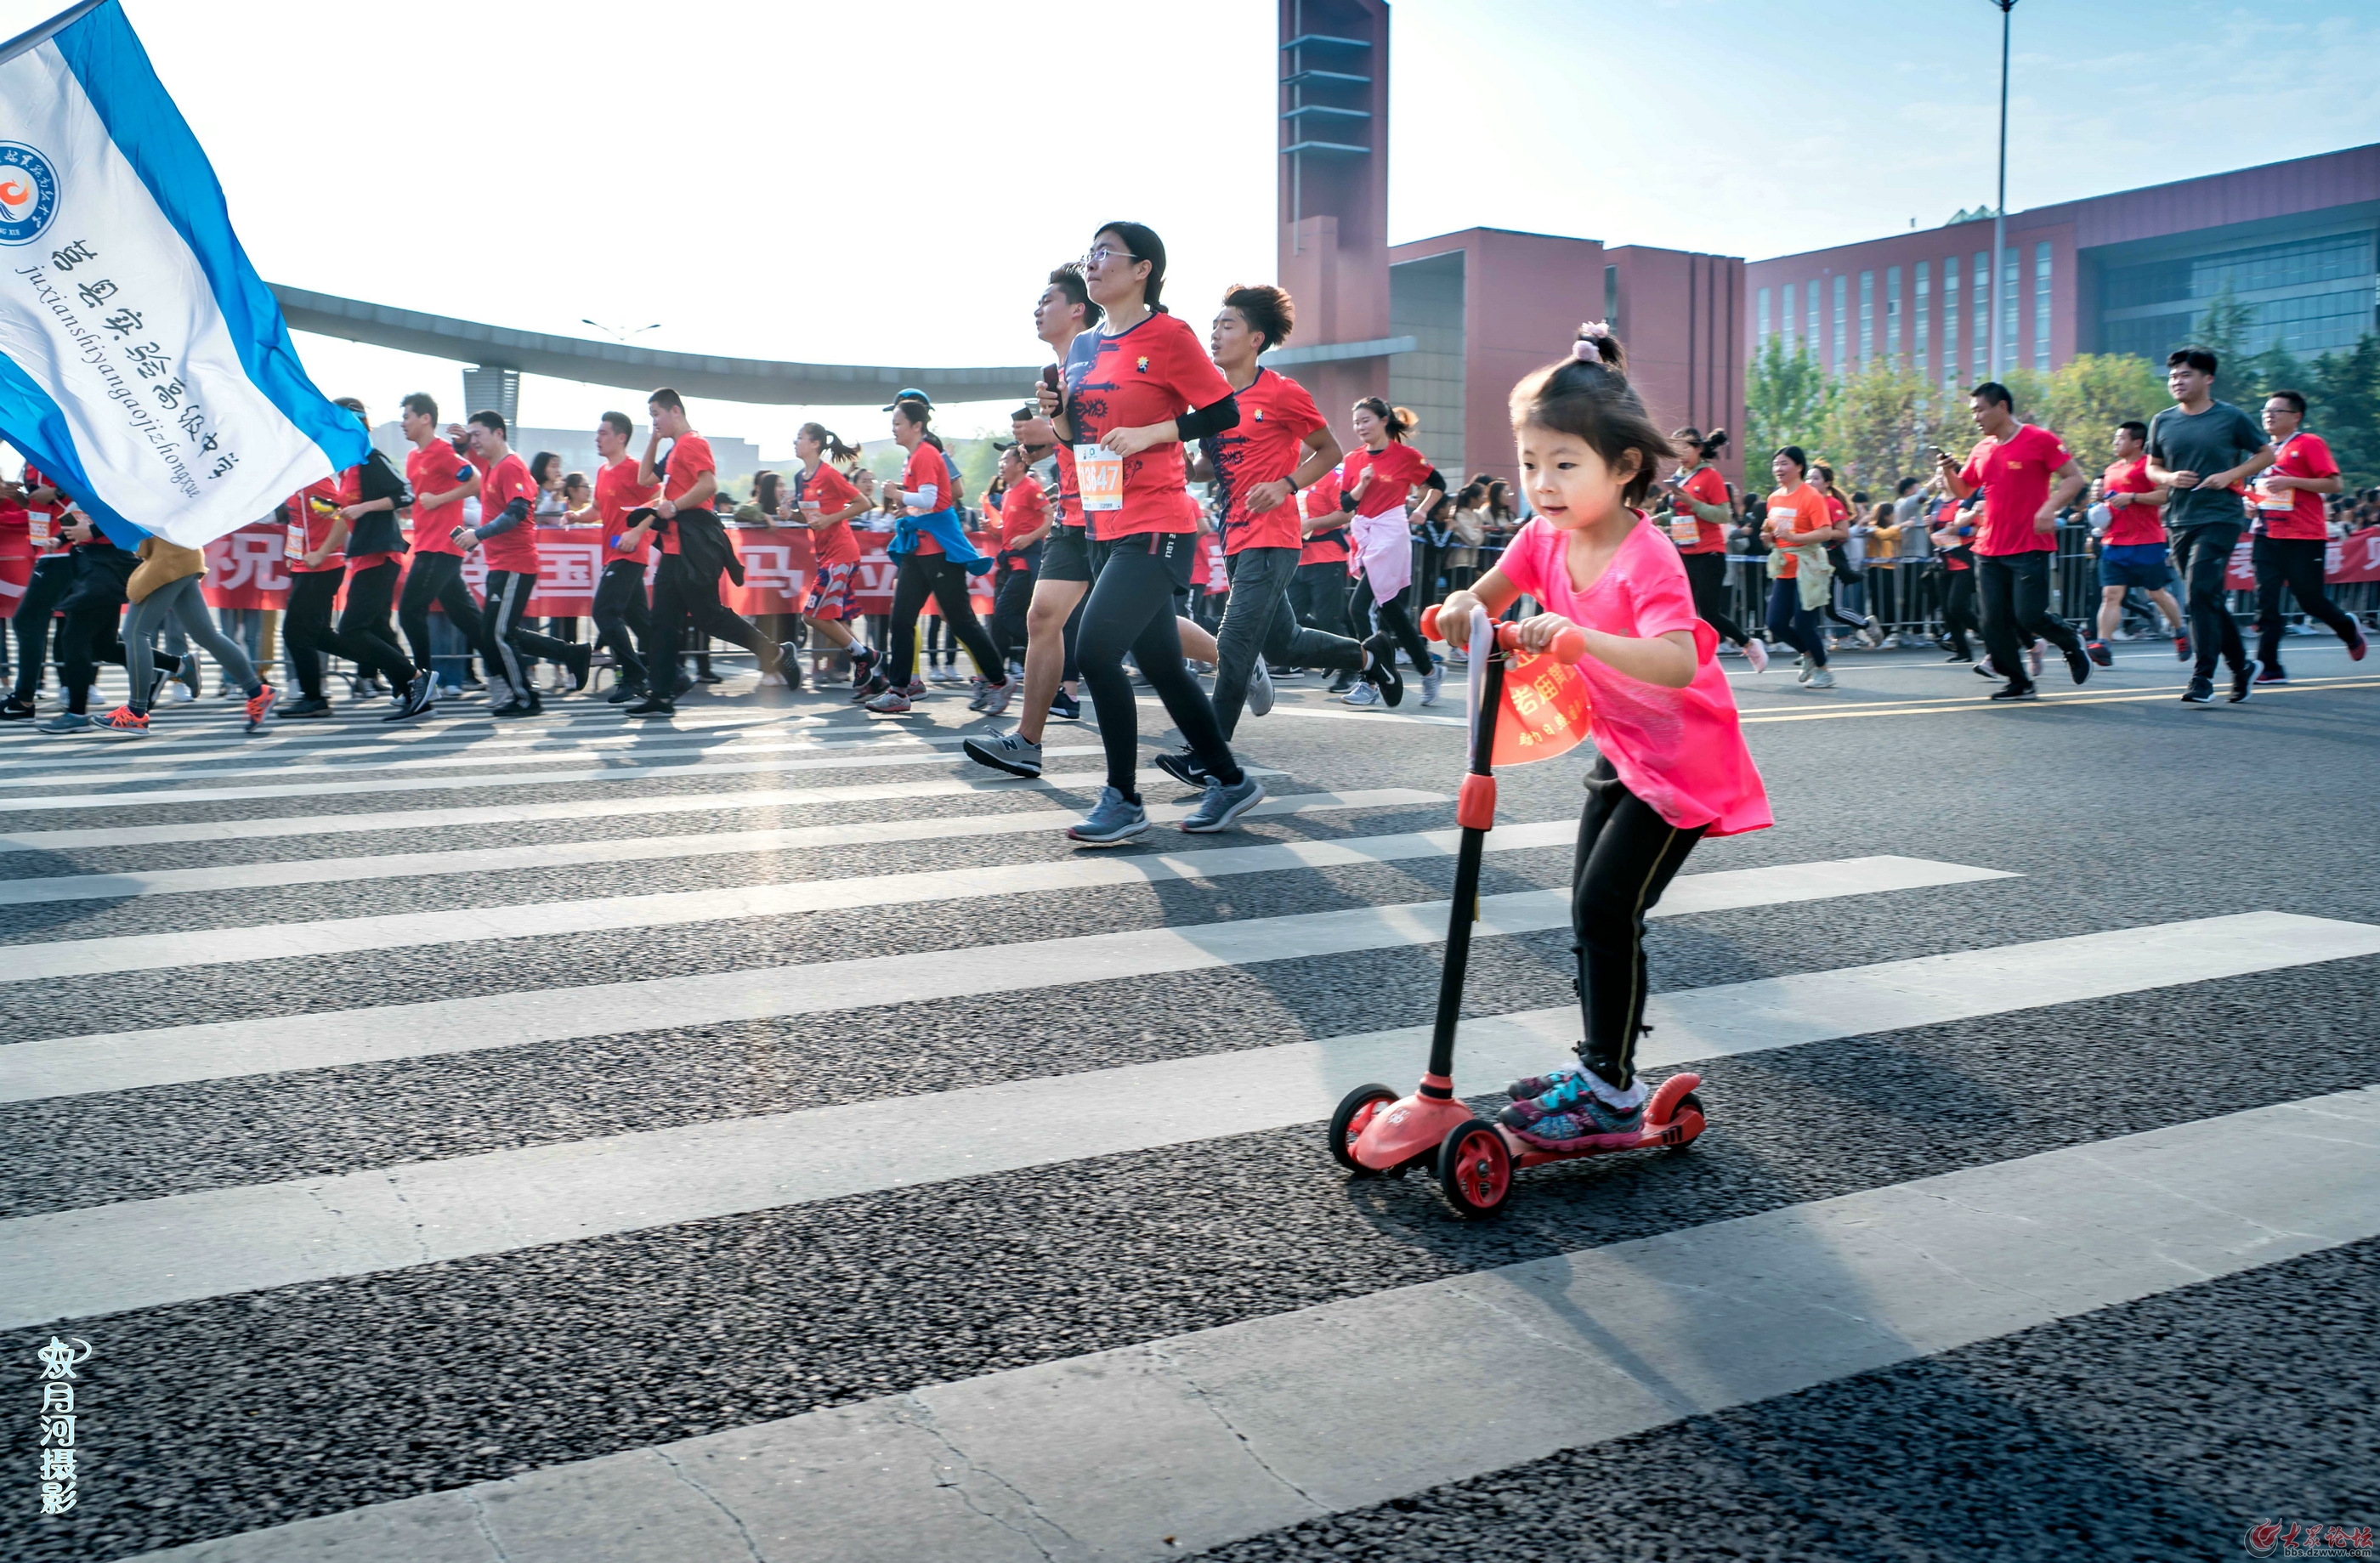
1682, 529
297, 545
39, 527
2276, 502
1099, 473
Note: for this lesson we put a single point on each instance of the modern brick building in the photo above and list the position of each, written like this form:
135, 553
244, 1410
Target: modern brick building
2297, 243
1446, 325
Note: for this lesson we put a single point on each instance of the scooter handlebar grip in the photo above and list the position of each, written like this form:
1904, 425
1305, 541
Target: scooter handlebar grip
1429, 623
1568, 647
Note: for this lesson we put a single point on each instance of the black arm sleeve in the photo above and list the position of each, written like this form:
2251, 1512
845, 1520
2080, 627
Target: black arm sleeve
513, 515
1214, 419
1435, 480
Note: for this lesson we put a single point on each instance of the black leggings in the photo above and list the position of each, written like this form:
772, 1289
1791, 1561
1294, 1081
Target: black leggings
1395, 616
365, 634
1130, 609
1008, 609
53, 576
2296, 563
94, 613
1626, 856
436, 577
2203, 555
937, 576
1958, 609
1706, 579
505, 639
2014, 590
623, 618
1795, 626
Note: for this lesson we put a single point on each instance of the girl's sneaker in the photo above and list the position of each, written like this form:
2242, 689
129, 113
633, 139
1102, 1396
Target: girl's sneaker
1538, 1084
1580, 1113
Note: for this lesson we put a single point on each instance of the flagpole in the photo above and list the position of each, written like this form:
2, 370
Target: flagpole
34, 37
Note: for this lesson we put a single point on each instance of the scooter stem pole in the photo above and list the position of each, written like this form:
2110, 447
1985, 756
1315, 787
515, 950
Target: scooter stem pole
1464, 908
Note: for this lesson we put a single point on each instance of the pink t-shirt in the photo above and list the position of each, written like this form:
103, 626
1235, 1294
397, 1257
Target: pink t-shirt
1680, 750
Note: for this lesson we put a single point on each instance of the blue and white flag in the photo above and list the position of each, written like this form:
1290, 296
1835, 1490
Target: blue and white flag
143, 364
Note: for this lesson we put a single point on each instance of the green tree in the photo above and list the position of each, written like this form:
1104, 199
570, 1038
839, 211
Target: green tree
2091, 393
1786, 398
2343, 391
2223, 329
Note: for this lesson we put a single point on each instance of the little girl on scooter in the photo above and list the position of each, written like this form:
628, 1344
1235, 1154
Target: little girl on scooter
1673, 769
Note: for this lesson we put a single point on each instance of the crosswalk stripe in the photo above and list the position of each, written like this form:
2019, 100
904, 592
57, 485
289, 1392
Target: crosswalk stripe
147, 1252
166, 1055
171, 748
1173, 1446
631, 849
415, 819
515, 756
631, 771
40, 960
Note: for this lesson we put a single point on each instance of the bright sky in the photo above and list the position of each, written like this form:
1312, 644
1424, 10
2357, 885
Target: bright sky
889, 184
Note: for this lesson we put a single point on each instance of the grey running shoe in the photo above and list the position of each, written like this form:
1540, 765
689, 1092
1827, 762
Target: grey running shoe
1431, 681
1259, 688
1362, 695
1011, 752
1223, 805
64, 721
997, 696
1115, 821
1821, 678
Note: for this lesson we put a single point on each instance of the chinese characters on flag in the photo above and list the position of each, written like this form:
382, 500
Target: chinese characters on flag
1545, 711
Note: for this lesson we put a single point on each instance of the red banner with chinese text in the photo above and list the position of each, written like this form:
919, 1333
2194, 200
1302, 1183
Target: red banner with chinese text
1545, 711
2355, 557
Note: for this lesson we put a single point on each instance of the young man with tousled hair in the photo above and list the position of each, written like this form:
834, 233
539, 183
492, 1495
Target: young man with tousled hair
2133, 553
507, 495
441, 477
2027, 477
2292, 544
622, 612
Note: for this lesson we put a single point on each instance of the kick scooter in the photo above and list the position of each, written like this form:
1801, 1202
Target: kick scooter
1375, 1131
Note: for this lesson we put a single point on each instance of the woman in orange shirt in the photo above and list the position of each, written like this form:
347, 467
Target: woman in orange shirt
1798, 517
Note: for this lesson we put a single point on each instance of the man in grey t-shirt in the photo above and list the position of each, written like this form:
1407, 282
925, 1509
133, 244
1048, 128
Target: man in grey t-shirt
2201, 450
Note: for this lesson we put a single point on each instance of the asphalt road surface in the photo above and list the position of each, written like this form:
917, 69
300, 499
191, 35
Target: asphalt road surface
764, 1137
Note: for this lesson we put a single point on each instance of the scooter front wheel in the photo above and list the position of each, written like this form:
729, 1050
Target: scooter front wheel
1475, 1169
1356, 1111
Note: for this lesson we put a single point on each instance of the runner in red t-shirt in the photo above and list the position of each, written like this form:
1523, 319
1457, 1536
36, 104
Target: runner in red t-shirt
1144, 387
1024, 520
1374, 480
933, 559
1282, 447
622, 611
1953, 536
507, 497
2027, 477
2133, 551
695, 553
2292, 543
1698, 498
441, 477
825, 501
47, 510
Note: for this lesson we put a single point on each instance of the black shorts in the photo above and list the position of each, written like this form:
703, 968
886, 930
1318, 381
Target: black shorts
1066, 554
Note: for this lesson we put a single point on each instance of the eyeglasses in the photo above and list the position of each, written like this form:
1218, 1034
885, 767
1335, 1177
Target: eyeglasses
1101, 253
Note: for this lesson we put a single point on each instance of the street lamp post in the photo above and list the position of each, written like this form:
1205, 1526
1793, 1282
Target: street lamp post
1999, 206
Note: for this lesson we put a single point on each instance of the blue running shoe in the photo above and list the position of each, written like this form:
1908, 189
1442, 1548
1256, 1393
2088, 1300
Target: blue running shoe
1223, 804
1116, 820
1579, 1113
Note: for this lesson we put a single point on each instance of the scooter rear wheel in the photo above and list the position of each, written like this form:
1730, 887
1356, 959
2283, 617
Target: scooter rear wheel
1356, 1111
1475, 1169
1688, 1103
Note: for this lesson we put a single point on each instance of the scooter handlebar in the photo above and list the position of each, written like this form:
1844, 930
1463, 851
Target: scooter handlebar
1568, 647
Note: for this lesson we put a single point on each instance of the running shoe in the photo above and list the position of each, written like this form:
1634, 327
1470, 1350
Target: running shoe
258, 705
1872, 630
305, 708
1983, 668
2201, 691
2268, 673
2032, 657
1065, 705
1821, 678
2099, 654
893, 702
653, 706
1958, 656
2078, 663
581, 663
916, 688
996, 697
1538, 1084
1362, 695
2356, 648
1116, 820
418, 698
1341, 683
1804, 676
869, 689
64, 723
2243, 682
190, 676
2015, 691
702, 673
516, 707
863, 665
1756, 654
624, 694
1431, 682
975, 701
2181, 646
1380, 672
14, 710
1011, 752
1260, 692
1223, 805
1579, 1113
1285, 675
789, 663
1184, 767
122, 723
